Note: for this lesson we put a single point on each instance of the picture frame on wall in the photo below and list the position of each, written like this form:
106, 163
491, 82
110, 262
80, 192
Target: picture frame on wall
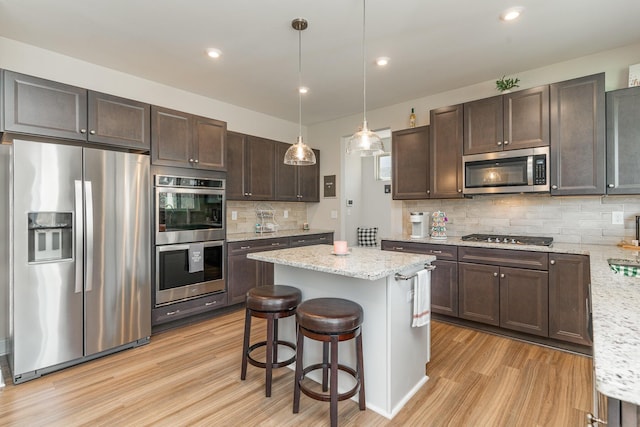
634, 75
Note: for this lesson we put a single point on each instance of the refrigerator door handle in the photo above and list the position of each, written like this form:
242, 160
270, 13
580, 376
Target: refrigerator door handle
78, 236
89, 235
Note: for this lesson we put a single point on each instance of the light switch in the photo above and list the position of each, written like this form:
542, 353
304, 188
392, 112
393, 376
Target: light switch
286, 213
234, 215
334, 214
617, 217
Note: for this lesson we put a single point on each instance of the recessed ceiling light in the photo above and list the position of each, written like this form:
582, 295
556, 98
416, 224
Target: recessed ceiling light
214, 53
303, 89
382, 61
511, 14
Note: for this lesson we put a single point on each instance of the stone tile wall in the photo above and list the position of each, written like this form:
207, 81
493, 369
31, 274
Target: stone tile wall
566, 219
247, 219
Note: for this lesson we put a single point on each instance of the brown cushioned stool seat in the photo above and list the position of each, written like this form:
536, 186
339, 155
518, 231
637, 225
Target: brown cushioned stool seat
271, 303
329, 320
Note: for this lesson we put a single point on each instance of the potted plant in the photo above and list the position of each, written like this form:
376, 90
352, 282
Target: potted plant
505, 85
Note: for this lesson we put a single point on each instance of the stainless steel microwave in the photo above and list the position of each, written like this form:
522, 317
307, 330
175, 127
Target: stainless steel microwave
512, 171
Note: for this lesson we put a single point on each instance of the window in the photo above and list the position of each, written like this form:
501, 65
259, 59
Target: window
383, 167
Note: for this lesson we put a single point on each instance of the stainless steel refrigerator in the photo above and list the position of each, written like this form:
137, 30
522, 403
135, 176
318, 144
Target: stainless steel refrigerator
79, 244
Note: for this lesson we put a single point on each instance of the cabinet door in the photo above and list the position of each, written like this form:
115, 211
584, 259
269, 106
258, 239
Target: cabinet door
569, 278
209, 140
118, 121
444, 288
526, 118
410, 163
42, 107
235, 166
242, 275
445, 160
479, 293
259, 168
483, 130
623, 136
170, 137
578, 136
309, 181
524, 300
286, 187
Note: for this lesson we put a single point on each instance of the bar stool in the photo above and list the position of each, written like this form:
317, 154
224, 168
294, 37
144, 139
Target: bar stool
271, 303
329, 320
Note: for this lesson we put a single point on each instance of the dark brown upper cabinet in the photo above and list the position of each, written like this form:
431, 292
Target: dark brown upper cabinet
623, 141
410, 163
186, 140
42, 107
577, 151
507, 122
296, 183
446, 152
251, 167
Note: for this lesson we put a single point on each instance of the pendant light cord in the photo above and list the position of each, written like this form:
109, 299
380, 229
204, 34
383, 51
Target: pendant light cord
364, 62
300, 82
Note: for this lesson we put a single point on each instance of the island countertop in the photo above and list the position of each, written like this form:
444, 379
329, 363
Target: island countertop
361, 263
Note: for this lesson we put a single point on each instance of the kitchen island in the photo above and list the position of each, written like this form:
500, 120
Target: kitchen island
395, 354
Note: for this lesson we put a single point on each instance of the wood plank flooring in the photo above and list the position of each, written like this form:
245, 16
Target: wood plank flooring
191, 377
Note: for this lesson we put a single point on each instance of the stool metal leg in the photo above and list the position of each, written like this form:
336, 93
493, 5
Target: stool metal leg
296, 382
325, 366
333, 392
360, 370
270, 351
245, 345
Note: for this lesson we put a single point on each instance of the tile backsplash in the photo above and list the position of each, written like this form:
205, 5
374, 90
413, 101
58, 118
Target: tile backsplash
247, 219
567, 219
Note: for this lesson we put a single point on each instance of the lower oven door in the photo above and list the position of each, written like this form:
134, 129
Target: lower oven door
176, 281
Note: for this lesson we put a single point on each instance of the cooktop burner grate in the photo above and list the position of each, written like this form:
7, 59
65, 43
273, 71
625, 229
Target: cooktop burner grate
508, 239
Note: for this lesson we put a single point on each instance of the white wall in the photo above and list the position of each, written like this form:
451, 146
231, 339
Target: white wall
326, 136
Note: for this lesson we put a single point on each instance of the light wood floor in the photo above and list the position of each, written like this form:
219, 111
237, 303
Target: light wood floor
191, 376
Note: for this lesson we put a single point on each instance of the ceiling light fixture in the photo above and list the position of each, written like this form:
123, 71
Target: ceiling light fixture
303, 90
214, 53
511, 14
382, 61
364, 142
299, 154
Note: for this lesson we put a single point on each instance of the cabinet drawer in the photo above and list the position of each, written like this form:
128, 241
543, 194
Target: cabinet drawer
314, 239
183, 309
504, 257
442, 252
257, 245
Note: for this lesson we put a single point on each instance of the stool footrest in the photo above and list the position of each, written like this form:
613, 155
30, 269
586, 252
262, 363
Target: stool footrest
325, 397
275, 364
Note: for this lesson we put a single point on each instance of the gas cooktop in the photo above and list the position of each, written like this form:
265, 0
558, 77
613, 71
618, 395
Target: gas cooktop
513, 240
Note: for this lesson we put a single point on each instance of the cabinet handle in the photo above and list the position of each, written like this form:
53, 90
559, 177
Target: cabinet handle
495, 274
250, 193
459, 190
171, 313
506, 143
398, 248
275, 244
552, 262
190, 160
611, 186
502, 276
245, 247
207, 304
554, 187
499, 143
196, 161
593, 420
428, 191
301, 241
83, 131
436, 252
92, 132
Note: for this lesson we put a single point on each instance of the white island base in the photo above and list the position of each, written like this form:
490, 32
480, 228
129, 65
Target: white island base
395, 354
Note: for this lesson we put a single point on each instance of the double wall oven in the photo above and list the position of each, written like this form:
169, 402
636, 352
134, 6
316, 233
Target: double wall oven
189, 235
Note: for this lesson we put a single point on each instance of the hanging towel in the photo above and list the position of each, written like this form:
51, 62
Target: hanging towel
196, 257
421, 298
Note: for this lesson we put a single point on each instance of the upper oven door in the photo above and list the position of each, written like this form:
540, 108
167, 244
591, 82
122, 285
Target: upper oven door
189, 215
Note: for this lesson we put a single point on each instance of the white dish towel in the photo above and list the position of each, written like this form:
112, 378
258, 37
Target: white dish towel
421, 298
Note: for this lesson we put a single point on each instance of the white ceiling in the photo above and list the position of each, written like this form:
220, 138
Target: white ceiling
434, 45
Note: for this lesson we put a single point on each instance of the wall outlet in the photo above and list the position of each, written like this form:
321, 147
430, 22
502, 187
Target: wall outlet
409, 295
617, 217
234, 215
334, 214
286, 213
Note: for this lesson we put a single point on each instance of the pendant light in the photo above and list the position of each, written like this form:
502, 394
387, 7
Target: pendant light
299, 154
364, 142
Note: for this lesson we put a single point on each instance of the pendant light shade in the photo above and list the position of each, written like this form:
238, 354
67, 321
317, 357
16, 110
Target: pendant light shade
364, 142
299, 154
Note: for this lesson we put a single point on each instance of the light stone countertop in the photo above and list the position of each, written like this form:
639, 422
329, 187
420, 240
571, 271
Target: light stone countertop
241, 237
361, 263
615, 301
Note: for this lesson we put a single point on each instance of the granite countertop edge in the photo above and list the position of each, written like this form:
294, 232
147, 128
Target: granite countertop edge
241, 237
615, 303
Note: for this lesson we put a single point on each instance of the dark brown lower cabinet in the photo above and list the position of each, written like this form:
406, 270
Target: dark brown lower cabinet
524, 300
444, 288
479, 293
569, 277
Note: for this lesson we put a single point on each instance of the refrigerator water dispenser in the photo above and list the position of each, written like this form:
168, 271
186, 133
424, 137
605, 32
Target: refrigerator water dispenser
50, 236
